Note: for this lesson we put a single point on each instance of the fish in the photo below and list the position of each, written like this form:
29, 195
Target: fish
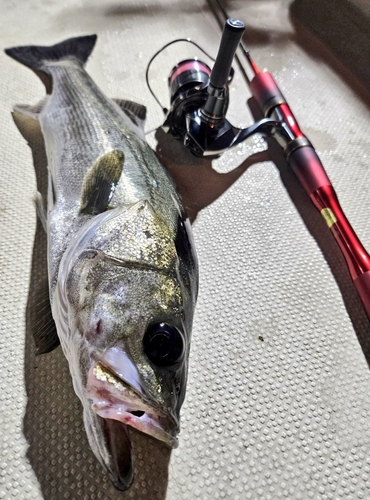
122, 267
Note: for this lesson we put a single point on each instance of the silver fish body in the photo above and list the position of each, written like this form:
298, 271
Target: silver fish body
122, 269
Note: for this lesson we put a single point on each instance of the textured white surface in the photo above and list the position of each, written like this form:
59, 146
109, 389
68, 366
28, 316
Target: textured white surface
283, 417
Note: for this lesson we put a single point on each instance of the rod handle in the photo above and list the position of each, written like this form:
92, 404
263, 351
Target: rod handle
231, 36
362, 284
308, 168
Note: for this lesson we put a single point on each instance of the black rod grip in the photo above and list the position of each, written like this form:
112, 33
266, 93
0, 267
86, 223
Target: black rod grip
231, 36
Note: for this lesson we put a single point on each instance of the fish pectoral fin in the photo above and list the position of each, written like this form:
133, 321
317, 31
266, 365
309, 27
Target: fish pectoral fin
100, 182
32, 111
43, 326
135, 111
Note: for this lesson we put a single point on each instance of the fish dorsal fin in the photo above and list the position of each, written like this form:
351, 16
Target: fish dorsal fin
100, 182
136, 112
44, 330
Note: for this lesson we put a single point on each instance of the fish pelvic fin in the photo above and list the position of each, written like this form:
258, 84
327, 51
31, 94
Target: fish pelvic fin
37, 57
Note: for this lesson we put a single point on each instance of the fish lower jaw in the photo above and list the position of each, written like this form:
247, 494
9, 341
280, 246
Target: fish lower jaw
115, 399
139, 420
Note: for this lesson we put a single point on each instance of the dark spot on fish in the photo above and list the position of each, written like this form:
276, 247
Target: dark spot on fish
105, 394
261, 338
90, 254
148, 234
95, 330
98, 327
137, 413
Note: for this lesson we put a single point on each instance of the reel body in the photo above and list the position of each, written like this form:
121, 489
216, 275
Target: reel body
199, 100
188, 119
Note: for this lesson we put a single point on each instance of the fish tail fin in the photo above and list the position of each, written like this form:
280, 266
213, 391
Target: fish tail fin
36, 57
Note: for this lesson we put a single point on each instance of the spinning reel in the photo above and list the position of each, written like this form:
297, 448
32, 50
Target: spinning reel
199, 100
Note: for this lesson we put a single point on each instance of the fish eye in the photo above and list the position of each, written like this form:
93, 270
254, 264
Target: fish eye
163, 344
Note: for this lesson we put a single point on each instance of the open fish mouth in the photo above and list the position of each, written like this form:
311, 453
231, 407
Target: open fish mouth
114, 398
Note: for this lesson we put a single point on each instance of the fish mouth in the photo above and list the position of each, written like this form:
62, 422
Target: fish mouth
116, 399
119, 464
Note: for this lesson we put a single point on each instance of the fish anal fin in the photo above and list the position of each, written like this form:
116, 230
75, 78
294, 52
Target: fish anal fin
100, 182
135, 111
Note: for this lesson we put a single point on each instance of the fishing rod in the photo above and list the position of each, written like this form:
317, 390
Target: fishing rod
199, 102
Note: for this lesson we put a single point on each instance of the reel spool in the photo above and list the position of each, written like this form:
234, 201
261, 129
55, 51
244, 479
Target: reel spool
188, 82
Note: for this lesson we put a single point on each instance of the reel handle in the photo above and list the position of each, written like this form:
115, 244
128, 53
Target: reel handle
231, 36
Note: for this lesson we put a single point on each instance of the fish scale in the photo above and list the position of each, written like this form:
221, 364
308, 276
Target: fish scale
111, 133
86, 125
99, 133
